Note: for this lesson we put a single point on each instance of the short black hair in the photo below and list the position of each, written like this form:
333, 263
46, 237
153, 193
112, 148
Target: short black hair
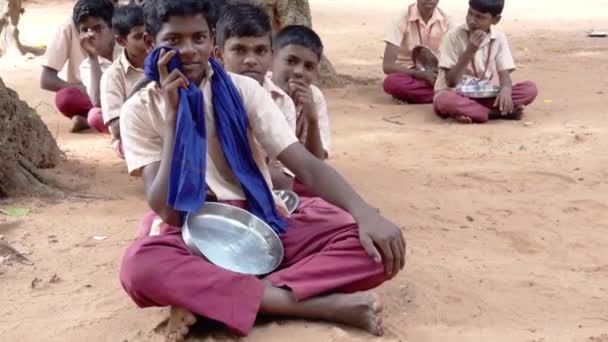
242, 20
299, 35
127, 17
494, 7
158, 12
103, 9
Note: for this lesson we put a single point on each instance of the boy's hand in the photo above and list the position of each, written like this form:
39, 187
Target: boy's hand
476, 38
86, 42
504, 101
383, 241
428, 75
114, 128
169, 84
301, 94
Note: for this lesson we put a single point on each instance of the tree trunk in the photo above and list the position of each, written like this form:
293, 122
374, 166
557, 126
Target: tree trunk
26, 145
10, 13
297, 12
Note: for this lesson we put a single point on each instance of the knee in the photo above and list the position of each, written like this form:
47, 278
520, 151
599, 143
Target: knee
64, 98
530, 90
95, 120
394, 83
443, 102
136, 271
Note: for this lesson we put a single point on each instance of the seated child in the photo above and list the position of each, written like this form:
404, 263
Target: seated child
297, 54
119, 80
469, 55
327, 251
244, 47
423, 24
94, 21
64, 50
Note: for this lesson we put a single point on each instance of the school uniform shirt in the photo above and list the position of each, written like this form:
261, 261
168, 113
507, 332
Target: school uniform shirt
64, 52
287, 107
494, 54
116, 84
142, 123
104, 63
409, 30
323, 117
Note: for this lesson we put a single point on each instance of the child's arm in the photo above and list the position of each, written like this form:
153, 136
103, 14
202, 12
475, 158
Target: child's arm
95, 80
390, 65
93, 77
156, 175
381, 239
301, 93
455, 73
49, 80
504, 100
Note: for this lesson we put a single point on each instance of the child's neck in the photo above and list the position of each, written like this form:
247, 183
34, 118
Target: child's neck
281, 85
139, 64
426, 14
109, 54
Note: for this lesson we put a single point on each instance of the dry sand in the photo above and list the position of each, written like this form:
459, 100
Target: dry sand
507, 223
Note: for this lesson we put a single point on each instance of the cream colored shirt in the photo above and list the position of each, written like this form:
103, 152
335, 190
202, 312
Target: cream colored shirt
64, 52
287, 107
403, 32
493, 52
142, 123
323, 116
282, 100
116, 84
104, 63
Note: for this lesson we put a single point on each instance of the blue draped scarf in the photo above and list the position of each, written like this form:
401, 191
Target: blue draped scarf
187, 187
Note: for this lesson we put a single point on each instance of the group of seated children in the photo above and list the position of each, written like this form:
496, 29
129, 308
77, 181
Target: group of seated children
427, 61
103, 51
198, 126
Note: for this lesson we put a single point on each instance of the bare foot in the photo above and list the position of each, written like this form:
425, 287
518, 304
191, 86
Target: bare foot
516, 114
179, 324
463, 119
361, 310
399, 101
79, 123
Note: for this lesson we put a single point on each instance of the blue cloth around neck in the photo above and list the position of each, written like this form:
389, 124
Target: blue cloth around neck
187, 187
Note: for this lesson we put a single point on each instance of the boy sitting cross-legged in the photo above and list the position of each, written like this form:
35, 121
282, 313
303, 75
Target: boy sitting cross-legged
468, 56
219, 128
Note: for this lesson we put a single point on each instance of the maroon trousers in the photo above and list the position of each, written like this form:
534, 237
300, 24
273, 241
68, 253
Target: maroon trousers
409, 89
323, 254
451, 104
73, 101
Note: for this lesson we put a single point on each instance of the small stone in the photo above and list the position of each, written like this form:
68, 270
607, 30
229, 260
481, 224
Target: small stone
55, 279
35, 282
470, 219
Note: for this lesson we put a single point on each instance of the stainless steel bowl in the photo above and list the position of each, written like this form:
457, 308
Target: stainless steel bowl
234, 239
479, 91
290, 198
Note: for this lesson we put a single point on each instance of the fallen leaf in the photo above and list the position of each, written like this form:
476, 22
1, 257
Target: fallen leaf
15, 212
548, 101
470, 219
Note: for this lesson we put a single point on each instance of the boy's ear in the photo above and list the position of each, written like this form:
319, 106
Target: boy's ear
496, 19
148, 42
121, 40
218, 54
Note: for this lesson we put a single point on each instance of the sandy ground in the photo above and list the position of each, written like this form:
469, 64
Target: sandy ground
506, 222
